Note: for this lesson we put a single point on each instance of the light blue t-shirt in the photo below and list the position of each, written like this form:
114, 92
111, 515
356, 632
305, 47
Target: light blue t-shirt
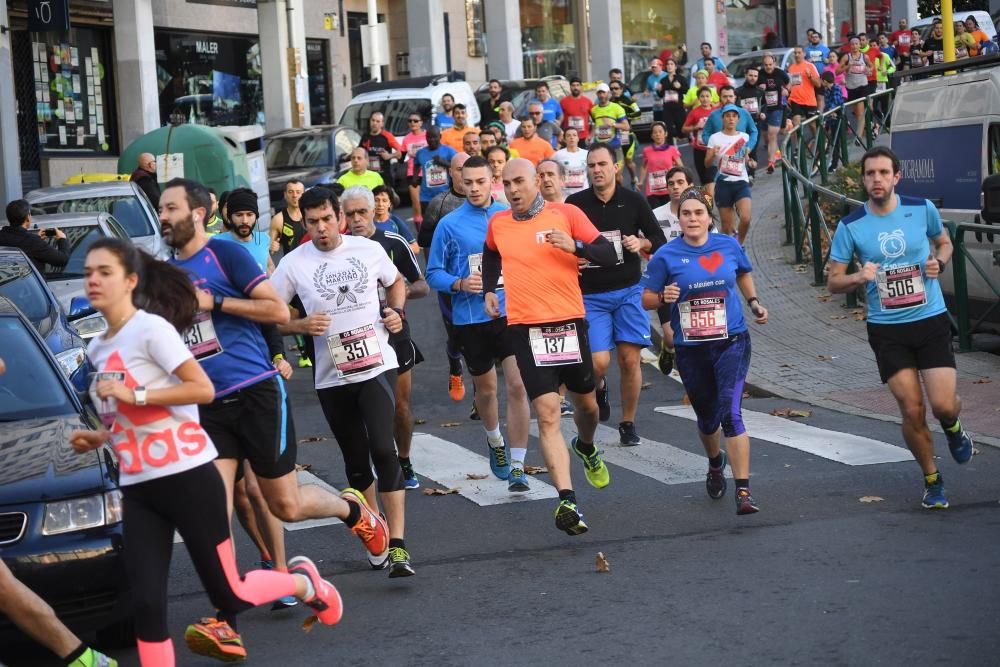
900, 243
710, 306
551, 109
817, 54
259, 246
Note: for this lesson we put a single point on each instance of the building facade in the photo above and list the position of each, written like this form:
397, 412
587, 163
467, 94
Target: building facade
126, 67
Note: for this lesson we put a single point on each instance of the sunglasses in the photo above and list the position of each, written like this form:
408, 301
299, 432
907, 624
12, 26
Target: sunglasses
414, 120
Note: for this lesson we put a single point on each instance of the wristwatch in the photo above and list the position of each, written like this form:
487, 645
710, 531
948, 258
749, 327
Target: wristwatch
217, 303
941, 264
140, 396
751, 300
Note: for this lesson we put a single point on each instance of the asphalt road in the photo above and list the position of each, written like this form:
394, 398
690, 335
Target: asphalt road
817, 577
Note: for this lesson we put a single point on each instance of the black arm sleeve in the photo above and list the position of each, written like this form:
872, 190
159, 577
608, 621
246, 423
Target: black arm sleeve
650, 227
275, 345
601, 252
426, 233
493, 265
53, 255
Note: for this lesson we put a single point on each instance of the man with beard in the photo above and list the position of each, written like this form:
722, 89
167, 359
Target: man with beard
751, 97
382, 147
488, 108
241, 207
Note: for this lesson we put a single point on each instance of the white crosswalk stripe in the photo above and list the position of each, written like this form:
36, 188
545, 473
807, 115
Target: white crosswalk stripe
450, 465
846, 448
664, 463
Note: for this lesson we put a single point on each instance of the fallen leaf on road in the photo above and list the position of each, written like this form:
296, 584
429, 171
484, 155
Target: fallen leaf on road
975, 451
685, 400
307, 625
535, 470
871, 499
450, 424
418, 422
786, 366
439, 492
646, 385
823, 357
860, 318
790, 412
838, 317
823, 297
779, 285
983, 381
474, 475
602, 563
857, 311
746, 394
303, 466
312, 438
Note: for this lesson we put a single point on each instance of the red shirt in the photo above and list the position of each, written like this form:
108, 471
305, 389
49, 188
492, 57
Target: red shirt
717, 80
658, 162
872, 54
576, 107
698, 116
901, 40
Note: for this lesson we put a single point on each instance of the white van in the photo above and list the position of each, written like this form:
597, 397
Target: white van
946, 133
984, 20
398, 99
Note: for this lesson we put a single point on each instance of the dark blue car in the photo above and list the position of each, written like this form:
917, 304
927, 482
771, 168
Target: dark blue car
60, 512
21, 282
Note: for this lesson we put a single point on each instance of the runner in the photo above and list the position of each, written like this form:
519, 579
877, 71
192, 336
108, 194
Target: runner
574, 161
414, 140
497, 157
455, 135
611, 294
576, 110
657, 159
538, 245
626, 138
751, 97
729, 152
358, 211
706, 275
338, 279
773, 81
430, 168
470, 143
606, 119
903, 249
803, 82
286, 230
455, 266
359, 173
145, 389
679, 179
551, 180
250, 418
747, 123
693, 126
674, 86
241, 223
440, 206
387, 221
529, 145
382, 147
856, 66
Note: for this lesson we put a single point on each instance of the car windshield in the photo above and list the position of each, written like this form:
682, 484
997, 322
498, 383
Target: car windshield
80, 239
127, 209
30, 388
395, 111
19, 284
306, 151
738, 67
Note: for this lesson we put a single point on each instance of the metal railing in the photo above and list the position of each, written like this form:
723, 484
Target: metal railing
960, 260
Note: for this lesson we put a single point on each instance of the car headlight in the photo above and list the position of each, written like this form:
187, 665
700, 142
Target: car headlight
90, 326
66, 516
71, 359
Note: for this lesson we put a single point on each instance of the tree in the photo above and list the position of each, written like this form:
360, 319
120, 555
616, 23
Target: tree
933, 7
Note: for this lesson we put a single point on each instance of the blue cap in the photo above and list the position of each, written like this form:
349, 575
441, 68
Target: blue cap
730, 107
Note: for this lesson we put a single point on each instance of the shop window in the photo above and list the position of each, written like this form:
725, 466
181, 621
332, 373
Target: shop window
547, 37
73, 91
319, 81
209, 79
649, 29
474, 28
748, 25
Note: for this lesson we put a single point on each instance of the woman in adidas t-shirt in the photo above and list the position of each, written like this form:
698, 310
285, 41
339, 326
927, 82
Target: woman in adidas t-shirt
145, 389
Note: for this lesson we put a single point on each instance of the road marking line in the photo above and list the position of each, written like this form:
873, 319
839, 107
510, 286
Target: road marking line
664, 463
449, 464
846, 448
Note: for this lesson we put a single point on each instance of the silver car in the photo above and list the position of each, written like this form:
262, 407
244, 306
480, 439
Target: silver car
122, 199
66, 282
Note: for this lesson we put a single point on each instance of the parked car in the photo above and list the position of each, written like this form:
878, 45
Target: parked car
522, 91
23, 285
122, 199
60, 512
738, 65
66, 282
314, 155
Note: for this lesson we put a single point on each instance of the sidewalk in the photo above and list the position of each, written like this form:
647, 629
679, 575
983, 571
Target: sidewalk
814, 350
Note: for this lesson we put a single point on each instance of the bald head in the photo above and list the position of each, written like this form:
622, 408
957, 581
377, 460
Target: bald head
147, 161
520, 184
456, 172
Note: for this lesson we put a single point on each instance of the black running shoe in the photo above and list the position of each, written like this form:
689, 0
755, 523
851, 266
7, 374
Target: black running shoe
745, 504
715, 481
665, 362
602, 401
627, 435
399, 563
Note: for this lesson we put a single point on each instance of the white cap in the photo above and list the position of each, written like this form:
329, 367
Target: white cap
603, 87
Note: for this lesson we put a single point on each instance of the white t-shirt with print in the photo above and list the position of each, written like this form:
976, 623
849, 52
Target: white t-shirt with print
151, 441
576, 170
343, 283
731, 155
669, 223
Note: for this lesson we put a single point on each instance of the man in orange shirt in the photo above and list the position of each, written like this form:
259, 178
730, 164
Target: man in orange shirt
454, 136
529, 145
539, 246
802, 88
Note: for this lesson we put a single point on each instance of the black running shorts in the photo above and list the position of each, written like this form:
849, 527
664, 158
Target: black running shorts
538, 380
921, 345
483, 345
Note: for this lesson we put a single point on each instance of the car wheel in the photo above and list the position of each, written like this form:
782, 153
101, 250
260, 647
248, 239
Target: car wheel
117, 635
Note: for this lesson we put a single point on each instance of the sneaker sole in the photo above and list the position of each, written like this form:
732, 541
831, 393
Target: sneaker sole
570, 522
397, 572
410, 487
280, 605
520, 487
201, 644
334, 604
959, 455
936, 506
360, 498
744, 511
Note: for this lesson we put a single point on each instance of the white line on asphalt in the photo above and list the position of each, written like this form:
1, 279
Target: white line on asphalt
664, 463
449, 465
846, 448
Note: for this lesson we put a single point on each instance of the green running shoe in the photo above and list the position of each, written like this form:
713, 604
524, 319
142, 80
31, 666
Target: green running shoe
597, 473
569, 518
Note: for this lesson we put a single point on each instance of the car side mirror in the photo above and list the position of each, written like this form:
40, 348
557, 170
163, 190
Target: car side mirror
79, 307
991, 199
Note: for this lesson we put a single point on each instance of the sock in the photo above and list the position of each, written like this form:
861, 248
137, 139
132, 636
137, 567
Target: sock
585, 448
567, 494
716, 461
404, 461
310, 589
932, 478
81, 656
493, 435
742, 483
353, 515
228, 617
517, 455
954, 427
395, 542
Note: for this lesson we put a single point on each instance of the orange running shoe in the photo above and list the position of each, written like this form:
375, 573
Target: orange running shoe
215, 639
326, 602
371, 528
456, 388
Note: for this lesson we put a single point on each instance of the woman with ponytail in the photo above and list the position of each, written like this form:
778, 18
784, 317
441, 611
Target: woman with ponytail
146, 389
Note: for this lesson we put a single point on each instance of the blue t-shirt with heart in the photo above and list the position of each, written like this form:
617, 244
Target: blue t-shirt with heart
706, 276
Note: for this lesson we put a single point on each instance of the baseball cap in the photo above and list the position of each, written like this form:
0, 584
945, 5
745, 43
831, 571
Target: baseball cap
603, 87
730, 107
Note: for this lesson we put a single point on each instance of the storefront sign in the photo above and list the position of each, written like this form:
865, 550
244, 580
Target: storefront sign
249, 4
48, 15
